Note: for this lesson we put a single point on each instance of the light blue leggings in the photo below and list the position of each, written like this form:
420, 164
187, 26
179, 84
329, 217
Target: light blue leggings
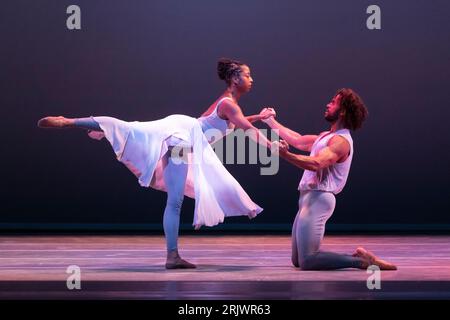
315, 208
175, 179
174, 175
87, 123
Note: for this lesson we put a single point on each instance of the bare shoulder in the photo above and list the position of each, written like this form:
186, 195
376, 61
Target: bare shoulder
339, 145
228, 107
228, 103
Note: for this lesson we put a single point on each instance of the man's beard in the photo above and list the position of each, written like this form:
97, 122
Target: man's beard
332, 117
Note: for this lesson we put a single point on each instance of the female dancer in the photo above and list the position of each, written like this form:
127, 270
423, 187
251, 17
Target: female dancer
151, 150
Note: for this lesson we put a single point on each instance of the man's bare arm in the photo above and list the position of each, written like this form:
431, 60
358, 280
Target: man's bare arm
337, 149
295, 139
254, 118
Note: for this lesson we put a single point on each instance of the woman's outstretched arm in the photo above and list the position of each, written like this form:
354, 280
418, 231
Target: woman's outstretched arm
234, 114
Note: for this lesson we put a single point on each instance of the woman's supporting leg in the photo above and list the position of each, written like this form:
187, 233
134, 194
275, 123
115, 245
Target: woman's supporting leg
316, 208
175, 179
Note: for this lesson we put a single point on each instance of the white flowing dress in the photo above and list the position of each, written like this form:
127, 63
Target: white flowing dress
140, 146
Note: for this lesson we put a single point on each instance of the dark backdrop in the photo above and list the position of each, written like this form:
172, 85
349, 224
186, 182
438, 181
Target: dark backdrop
143, 60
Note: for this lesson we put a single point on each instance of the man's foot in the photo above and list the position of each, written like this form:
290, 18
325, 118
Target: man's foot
174, 261
372, 259
55, 122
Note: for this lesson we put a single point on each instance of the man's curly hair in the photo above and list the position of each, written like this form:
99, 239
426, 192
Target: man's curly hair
355, 112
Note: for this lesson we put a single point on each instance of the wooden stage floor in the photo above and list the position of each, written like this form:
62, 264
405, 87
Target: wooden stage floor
230, 267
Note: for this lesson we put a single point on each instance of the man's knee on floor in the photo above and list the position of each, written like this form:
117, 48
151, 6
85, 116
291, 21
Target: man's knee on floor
295, 261
307, 262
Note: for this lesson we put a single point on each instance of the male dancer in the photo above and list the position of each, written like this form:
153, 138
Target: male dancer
325, 175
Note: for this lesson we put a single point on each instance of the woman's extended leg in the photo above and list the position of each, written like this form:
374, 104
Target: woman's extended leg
63, 122
174, 174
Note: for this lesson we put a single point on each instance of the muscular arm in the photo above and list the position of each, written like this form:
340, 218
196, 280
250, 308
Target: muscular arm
234, 114
337, 149
253, 118
295, 139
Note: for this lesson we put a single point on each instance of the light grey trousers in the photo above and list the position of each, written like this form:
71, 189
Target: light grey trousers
315, 208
